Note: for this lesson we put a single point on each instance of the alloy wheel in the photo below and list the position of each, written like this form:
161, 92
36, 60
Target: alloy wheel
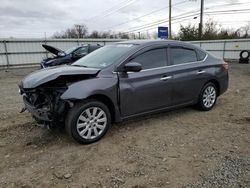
91, 123
209, 96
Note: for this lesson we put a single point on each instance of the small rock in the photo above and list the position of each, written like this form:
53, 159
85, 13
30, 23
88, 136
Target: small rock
28, 143
237, 91
174, 156
24, 185
7, 156
164, 159
117, 179
57, 175
1, 144
67, 176
107, 169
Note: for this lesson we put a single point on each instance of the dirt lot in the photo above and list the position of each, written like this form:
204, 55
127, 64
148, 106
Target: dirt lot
182, 148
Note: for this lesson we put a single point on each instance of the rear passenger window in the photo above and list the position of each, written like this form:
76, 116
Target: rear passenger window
201, 55
182, 55
152, 59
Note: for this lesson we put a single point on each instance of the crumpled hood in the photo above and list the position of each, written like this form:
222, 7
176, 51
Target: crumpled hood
42, 76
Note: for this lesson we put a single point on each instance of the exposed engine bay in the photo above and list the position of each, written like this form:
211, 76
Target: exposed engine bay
44, 102
45, 105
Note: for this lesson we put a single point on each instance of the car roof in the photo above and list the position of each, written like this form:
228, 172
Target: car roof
158, 41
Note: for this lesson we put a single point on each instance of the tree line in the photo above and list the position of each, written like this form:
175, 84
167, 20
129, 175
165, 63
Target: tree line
81, 31
211, 31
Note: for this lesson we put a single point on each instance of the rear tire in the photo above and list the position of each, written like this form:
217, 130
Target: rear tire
88, 121
208, 97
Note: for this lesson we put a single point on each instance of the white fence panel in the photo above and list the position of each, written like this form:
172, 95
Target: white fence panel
2, 50
30, 51
24, 59
24, 47
241, 45
3, 61
209, 46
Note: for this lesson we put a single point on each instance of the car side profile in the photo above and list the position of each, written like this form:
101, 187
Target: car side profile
67, 57
122, 81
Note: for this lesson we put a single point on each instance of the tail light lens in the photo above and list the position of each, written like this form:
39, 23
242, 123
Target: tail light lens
225, 65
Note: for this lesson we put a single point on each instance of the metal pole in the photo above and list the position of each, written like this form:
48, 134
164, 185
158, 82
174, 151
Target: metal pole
201, 19
224, 49
6, 53
169, 18
45, 41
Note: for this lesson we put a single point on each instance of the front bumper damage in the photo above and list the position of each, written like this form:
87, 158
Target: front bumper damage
45, 106
40, 114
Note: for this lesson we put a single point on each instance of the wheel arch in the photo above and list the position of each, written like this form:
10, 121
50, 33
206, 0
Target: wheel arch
107, 101
216, 83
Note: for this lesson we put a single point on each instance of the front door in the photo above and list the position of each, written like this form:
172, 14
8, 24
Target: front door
149, 89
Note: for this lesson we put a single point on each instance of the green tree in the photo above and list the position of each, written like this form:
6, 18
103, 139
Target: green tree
189, 32
212, 31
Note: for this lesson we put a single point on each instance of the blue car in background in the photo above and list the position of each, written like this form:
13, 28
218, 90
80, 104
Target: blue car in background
67, 57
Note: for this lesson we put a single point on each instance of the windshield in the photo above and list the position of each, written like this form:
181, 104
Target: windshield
70, 50
104, 56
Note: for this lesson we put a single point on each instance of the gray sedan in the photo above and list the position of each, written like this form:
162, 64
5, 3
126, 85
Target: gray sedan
122, 81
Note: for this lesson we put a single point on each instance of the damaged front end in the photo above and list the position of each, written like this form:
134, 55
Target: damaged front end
42, 90
45, 105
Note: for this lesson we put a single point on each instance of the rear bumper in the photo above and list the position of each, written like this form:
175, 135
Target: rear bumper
224, 82
39, 113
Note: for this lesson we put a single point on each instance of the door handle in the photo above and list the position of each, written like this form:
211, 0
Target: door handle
164, 78
201, 72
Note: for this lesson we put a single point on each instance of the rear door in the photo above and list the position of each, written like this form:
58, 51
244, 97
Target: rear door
148, 89
188, 74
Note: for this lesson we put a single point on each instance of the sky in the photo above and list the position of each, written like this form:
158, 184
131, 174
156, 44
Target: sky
34, 18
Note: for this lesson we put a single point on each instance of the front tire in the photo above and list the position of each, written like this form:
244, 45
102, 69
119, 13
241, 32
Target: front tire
208, 97
88, 121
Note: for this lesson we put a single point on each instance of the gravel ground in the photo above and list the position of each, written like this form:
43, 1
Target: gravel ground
181, 148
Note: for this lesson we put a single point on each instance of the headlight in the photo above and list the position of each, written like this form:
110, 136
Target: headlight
20, 91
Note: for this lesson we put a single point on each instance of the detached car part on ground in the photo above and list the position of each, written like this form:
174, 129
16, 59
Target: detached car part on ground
121, 81
67, 57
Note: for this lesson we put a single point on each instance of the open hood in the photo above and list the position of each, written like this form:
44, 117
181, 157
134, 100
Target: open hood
52, 49
42, 76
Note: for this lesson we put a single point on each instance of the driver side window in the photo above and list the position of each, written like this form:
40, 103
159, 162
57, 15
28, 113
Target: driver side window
152, 59
81, 51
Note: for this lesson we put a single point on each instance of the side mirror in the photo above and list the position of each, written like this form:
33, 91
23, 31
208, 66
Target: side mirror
132, 67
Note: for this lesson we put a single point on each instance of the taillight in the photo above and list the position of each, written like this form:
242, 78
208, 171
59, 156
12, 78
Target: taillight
225, 65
